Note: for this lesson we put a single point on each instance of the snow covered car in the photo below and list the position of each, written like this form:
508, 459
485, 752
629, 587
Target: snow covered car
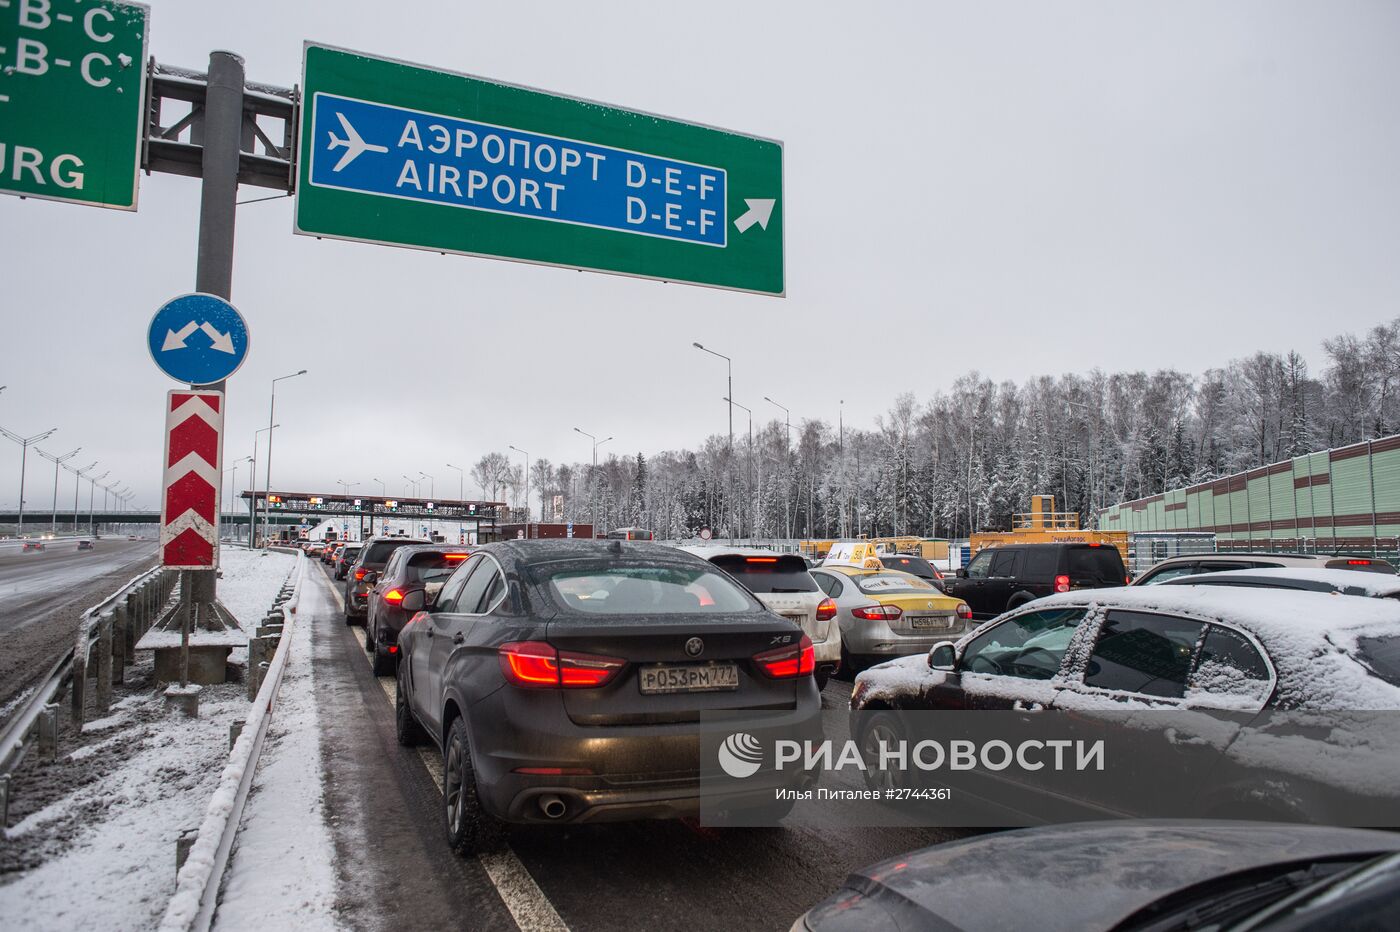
1249, 657
1226, 561
1336, 582
781, 581
1153, 874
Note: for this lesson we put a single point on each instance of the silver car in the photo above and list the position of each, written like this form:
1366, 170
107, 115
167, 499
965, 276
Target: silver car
887, 613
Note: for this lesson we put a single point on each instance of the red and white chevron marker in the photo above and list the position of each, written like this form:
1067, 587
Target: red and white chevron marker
194, 444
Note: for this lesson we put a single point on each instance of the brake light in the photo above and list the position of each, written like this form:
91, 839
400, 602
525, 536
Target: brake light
1358, 563
878, 612
964, 611
826, 610
1061, 583
360, 574
538, 665
393, 597
393, 648
760, 559
788, 662
454, 557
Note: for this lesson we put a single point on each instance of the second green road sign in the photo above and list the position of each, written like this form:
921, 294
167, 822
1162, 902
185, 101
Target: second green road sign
405, 155
72, 98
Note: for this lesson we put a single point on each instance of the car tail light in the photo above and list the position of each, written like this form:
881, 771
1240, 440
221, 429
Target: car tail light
455, 557
878, 612
360, 574
393, 648
785, 663
555, 771
538, 665
393, 597
826, 610
964, 611
937, 573
1358, 563
760, 559
1061, 583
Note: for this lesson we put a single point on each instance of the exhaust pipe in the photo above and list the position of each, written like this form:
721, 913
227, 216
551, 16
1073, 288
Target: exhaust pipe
552, 806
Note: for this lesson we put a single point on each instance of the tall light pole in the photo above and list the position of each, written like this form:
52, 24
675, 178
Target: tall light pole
345, 487
412, 484
92, 493
383, 490
267, 476
432, 494
233, 482
527, 488
77, 479
729, 363
461, 482
741, 514
24, 443
253, 483
787, 455
593, 491
57, 462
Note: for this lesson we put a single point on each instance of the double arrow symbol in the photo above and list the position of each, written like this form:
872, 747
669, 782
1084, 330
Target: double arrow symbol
175, 339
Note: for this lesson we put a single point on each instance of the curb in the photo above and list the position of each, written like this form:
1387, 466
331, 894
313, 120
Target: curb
197, 884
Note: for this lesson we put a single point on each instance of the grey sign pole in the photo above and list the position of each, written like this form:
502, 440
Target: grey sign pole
223, 126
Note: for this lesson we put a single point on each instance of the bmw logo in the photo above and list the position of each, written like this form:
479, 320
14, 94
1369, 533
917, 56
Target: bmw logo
694, 647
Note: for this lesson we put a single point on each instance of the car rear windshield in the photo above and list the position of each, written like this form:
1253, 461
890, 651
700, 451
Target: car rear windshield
1381, 656
648, 590
378, 552
1100, 562
768, 574
883, 583
433, 566
916, 565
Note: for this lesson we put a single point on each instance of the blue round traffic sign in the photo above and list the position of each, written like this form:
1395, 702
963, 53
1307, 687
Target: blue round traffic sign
198, 338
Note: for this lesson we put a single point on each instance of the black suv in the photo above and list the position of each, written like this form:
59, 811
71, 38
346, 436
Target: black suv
1002, 578
374, 554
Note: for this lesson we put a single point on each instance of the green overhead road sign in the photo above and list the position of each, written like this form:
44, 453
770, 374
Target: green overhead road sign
72, 99
405, 155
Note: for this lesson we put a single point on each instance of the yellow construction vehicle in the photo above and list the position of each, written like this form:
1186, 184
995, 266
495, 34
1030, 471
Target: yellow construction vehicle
1044, 525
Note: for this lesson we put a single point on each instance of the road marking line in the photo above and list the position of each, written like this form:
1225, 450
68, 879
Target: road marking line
529, 907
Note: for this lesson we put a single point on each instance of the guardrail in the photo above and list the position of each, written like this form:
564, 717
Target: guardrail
197, 882
111, 629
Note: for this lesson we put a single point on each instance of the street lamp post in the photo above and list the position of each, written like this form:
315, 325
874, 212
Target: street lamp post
527, 488
345, 487
57, 462
593, 485
461, 495
752, 518
382, 488
92, 493
412, 485
432, 494
233, 482
253, 483
267, 477
77, 480
787, 454
24, 444
729, 366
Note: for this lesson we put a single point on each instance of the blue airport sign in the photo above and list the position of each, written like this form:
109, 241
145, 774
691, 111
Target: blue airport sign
198, 338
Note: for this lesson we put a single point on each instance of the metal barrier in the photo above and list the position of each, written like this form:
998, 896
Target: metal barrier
110, 629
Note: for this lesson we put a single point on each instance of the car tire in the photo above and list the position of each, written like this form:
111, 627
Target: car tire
349, 620
1019, 599
849, 666
384, 664
876, 727
470, 828
370, 639
409, 733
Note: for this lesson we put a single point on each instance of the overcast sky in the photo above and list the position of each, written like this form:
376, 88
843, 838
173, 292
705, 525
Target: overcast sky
1016, 188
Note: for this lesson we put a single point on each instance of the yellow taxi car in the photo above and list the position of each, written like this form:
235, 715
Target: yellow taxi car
888, 613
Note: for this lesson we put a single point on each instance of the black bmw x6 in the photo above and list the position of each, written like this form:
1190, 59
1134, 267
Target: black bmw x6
564, 681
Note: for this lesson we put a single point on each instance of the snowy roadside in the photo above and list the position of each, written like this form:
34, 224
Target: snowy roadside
282, 873
92, 839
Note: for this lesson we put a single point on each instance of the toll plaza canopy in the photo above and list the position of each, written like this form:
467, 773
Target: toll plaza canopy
325, 505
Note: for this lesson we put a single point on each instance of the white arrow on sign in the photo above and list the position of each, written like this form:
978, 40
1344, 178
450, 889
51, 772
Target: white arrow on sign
175, 339
760, 209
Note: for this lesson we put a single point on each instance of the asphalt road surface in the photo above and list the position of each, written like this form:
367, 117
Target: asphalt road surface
43, 593
396, 869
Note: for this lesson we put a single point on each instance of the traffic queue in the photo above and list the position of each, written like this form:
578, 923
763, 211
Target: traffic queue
563, 681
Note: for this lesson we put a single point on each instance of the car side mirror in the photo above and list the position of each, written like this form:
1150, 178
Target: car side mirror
943, 656
414, 600
960, 572
371, 578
